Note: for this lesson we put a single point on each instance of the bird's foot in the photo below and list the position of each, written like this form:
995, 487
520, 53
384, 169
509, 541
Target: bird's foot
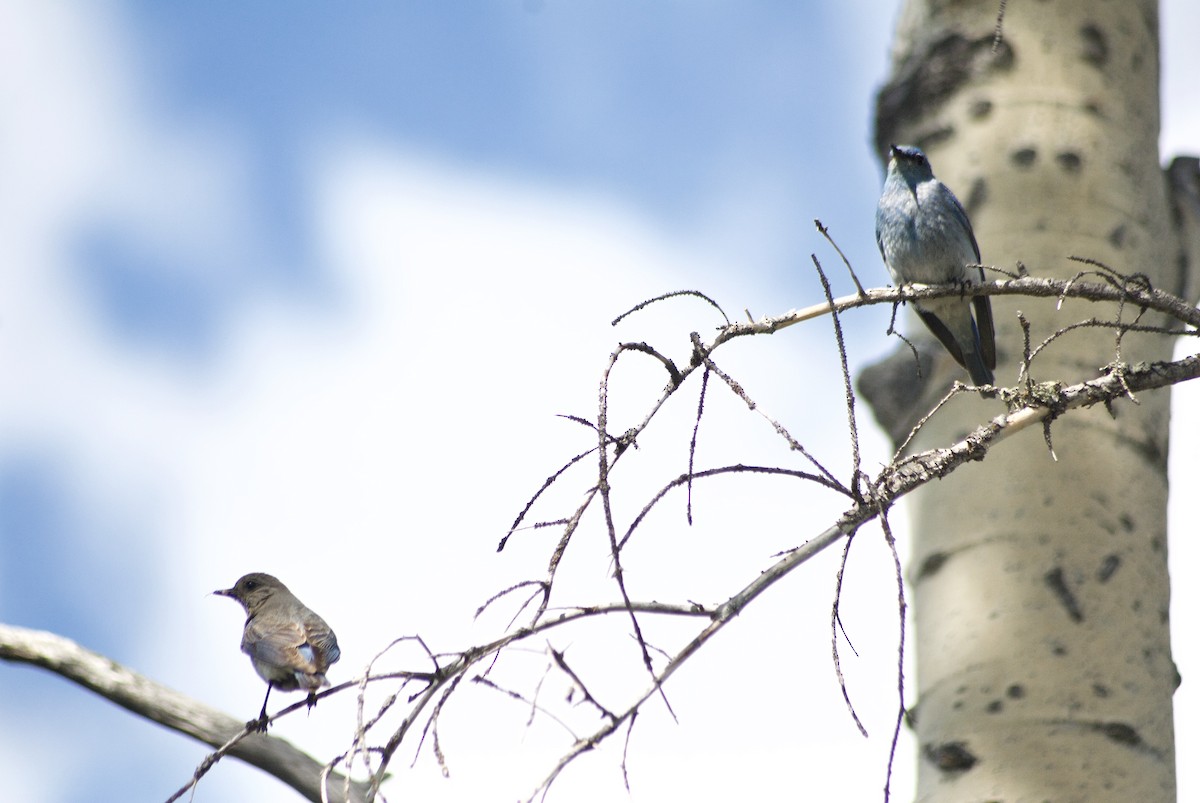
258, 725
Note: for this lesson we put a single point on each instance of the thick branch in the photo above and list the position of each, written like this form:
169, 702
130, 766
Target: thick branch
1051, 401
169, 708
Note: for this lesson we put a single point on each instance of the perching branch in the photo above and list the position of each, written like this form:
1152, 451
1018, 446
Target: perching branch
1035, 286
169, 708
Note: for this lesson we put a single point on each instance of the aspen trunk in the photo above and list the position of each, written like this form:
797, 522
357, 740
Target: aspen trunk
1039, 585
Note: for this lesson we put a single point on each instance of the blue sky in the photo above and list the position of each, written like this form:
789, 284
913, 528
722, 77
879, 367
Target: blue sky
302, 290
668, 109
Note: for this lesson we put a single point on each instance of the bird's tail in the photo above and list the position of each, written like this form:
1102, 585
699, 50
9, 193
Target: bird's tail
967, 348
980, 373
973, 360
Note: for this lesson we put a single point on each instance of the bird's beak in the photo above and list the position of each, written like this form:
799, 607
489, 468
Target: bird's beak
892, 150
224, 592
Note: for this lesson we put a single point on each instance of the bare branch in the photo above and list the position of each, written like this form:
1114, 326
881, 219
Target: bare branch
169, 708
835, 624
664, 297
1041, 287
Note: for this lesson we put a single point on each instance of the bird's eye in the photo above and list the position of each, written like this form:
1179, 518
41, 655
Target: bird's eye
251, 585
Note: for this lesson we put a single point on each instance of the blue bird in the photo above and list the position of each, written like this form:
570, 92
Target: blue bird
290, 646
925, 238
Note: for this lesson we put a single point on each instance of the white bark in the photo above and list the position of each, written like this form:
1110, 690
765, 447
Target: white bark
1040, 587
171, 709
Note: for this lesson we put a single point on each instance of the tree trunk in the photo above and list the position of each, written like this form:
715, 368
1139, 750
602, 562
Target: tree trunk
1039, 579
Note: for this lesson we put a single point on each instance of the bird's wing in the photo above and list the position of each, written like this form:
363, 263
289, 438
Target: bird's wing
983, 304
320, 636
280, 644
960, 215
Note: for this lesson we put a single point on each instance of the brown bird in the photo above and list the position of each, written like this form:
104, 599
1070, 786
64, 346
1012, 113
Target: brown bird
290, 646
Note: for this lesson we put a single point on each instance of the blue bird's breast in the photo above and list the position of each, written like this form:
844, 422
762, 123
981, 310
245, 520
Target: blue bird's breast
924, 235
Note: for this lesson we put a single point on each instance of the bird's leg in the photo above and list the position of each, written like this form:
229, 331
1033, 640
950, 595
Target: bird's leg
260, 724
312, 700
